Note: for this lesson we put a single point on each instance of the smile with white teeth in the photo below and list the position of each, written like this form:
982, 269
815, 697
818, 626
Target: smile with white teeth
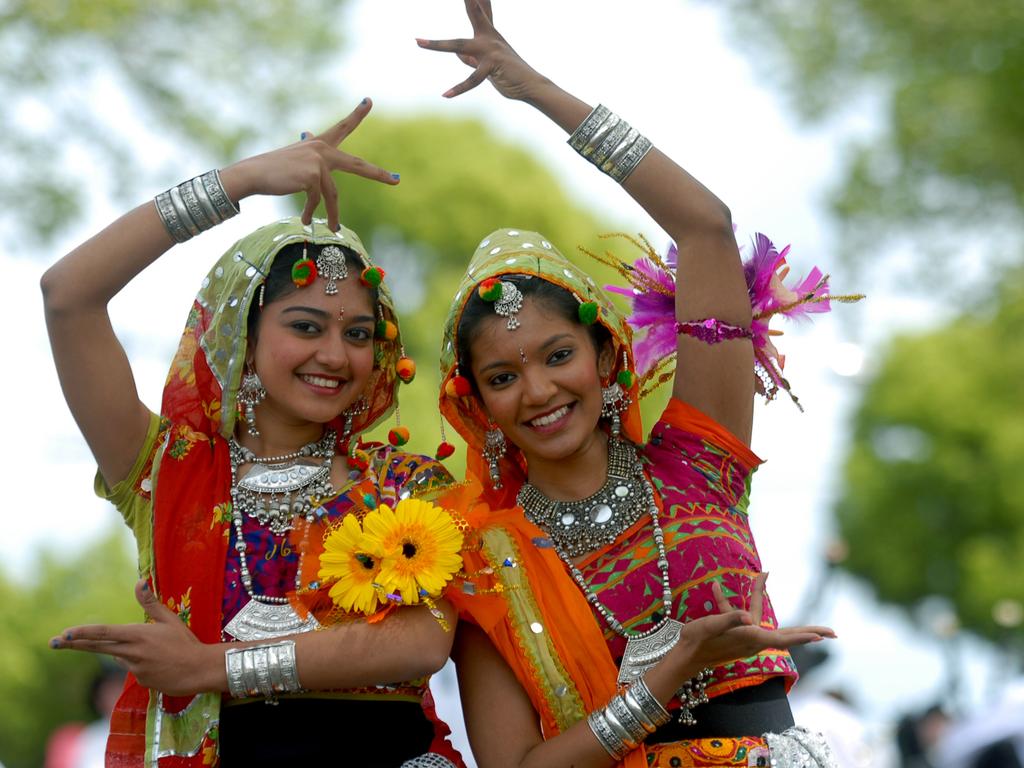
550, 418
320, 381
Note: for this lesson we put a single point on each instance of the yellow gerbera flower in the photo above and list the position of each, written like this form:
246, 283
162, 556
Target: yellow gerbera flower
351, 559
419, 545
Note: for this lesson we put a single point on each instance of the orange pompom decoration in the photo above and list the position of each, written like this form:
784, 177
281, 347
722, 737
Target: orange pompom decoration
372, 276
444, 450
458, 386
386, 330
398, 436
303, 272
490, 289
406, 369
626, 379
359, 459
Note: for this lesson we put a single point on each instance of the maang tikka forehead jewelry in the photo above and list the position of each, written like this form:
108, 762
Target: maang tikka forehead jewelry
331, 266
507, 298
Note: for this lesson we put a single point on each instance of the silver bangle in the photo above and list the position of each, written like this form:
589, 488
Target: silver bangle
622, 712
652, 709
583, 133
610, 143
621, 731
612, 744
637, 152
218, 196
194, 206
169, 216
262, 670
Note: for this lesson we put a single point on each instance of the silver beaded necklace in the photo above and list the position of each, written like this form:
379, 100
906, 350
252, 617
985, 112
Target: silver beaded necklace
273, 492
558, 520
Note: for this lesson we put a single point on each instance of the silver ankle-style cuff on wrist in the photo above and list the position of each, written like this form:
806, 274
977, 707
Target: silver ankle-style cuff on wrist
262, 670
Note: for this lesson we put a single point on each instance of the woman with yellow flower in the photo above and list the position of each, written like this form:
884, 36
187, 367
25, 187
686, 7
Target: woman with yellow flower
252, 467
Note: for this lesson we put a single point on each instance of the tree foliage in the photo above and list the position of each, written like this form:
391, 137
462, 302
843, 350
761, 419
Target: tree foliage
41, 688
931, 503
946, 78
180, 70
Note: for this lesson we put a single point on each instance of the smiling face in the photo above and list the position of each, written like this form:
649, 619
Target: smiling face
313, 353
548, 406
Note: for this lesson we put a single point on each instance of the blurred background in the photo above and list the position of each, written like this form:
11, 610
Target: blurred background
881, 139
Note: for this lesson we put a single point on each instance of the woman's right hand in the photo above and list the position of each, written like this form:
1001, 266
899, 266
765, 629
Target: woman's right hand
733, 633
306, 166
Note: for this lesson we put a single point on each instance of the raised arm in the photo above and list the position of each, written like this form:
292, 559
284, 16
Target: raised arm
93, 368
716, 379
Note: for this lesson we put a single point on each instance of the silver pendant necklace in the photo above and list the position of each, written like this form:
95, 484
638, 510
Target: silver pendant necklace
643, 649
584, 525
273, 492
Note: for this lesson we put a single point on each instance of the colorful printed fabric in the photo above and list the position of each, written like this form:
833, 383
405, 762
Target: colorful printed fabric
704, 488
709, 753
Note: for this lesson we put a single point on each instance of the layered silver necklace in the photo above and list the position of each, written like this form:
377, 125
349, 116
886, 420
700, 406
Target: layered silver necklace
578, 527
273, 492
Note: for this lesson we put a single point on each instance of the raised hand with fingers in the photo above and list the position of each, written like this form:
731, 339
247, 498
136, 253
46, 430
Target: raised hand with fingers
162, 654
734, 633
490, 56
307, 166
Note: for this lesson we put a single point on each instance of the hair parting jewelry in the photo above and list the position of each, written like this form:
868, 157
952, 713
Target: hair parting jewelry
262, 670
332, 267
194, 206
610, 143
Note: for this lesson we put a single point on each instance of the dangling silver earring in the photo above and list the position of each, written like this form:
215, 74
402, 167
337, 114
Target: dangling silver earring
613, 402
494, 451
250, 394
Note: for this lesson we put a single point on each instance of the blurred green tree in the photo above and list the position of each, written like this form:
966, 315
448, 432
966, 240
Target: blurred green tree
42, 688
946, 79
186, 68
930, 503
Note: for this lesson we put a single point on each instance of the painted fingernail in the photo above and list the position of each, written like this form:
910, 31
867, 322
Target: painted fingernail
365, 101
145, 586
67, 636
55, 643
396, 176
303, 136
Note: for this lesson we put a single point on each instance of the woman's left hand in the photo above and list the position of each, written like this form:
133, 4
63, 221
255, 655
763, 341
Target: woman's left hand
162, 654
490, 55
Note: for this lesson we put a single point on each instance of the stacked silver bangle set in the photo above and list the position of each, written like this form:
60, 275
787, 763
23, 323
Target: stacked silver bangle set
610, 143
627, 719
262, 670
194, 206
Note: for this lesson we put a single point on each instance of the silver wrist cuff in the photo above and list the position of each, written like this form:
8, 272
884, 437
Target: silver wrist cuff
262, 670
194, 206
610, 143
639, 697
607, 737
621, 711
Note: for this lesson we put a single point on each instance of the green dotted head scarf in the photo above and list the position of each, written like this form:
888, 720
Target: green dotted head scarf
516, 251
202, 386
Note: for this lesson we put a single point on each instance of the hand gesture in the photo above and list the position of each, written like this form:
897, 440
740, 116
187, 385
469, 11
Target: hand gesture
490, 56
306, 166
733, 633
163, 654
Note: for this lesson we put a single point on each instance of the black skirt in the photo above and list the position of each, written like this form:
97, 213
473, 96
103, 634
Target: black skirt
336, 732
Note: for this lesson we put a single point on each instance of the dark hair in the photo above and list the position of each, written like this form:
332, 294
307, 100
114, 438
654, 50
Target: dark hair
556, 298
279, 282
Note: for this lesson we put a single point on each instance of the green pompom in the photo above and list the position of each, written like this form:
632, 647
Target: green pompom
625, 379
588, 312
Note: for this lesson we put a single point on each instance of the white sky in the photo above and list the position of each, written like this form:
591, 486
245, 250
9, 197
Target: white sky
669, 70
